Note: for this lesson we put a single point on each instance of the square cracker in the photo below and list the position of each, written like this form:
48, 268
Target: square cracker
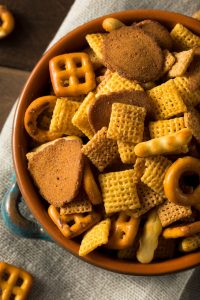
166, 100
126, 151
80, 204
95, 237
183, 60
126, 123
165, 127
100, 149
169, 60
95, 41
192, 121
183, 38
119, 191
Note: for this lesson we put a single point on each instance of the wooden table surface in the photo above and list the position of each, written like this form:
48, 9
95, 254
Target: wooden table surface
36, 23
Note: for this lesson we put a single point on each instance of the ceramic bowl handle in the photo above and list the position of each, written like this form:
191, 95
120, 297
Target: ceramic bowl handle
15, 222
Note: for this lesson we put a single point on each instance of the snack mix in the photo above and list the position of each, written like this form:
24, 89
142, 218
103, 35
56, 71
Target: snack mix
115, 146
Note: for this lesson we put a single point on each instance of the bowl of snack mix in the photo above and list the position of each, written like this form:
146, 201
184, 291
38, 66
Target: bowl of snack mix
106, 142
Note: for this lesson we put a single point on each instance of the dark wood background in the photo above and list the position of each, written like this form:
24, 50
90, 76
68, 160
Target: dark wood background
36, 23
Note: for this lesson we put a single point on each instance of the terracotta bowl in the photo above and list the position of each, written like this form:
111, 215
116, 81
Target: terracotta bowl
37, 86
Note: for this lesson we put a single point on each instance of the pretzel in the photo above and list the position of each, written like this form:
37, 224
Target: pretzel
7, 20
149, 239
123, 231
181, 231
110, 24
72, 74
15, 283
186, 165
74, 224
34, 110
171, 143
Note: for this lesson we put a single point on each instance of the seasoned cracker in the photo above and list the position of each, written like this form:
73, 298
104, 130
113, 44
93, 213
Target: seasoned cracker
170, 212
119, 191
126, 151
80, 204
95, 41
169, 60
154, 173
139, 168
80, 118
190, 243
183, 38
100, 149
148, 199
183, 60
126, 123
165, 127
95, 237
192, 121
166, 100
62, 117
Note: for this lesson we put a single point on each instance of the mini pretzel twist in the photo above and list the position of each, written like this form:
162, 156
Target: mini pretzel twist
173, 191
123, 231
72, 74
181, 231
74, 224
172, 143
8, 22
110, 24
34, 110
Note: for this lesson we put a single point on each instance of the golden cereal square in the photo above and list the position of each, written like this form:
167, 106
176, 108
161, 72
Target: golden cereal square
95, 237
189, 98
166, 100
165, 127
192, 121
126, 151
169, 60
101, 150
62, 117
126, 123
183, 38
183, 60
119, 191
80, 118
154, 173
80, 204
170, 212
95, 41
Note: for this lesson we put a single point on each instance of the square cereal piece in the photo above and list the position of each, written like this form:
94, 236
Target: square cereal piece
183, 60
148, 199
192, 121
96, 62
183, 38
165, 127
117, 83
126, 151
166, 100
139, 168
154, 173
95, 237
169, 60
189, 98
126, 123
119, 191
62, 117
80, 118
80, 204
101, 150
95, 41
170, 212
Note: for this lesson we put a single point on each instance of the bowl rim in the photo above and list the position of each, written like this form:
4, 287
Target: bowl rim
95, 258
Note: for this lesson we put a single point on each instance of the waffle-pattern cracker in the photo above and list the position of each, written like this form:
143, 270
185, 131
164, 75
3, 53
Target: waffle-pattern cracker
183, 60
189, 98
183, 38
72, 74
192, 121
190, 243
101, 150
166, 100
119, 191
95, 237
148, 199
80, 204
170, 212
95, 41
117, 83
126, 123
15, 283
165, 127
96, 62
126, 152
139, 168
169, 60
62, 117
80, 118
154, 173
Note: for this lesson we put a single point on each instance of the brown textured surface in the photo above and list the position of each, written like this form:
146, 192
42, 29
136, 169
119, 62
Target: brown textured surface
133, 54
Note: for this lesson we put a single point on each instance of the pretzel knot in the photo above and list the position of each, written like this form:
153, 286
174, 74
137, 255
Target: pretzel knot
6, 20
34, 110
74, 224
123, 231
72, 74
181, 231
